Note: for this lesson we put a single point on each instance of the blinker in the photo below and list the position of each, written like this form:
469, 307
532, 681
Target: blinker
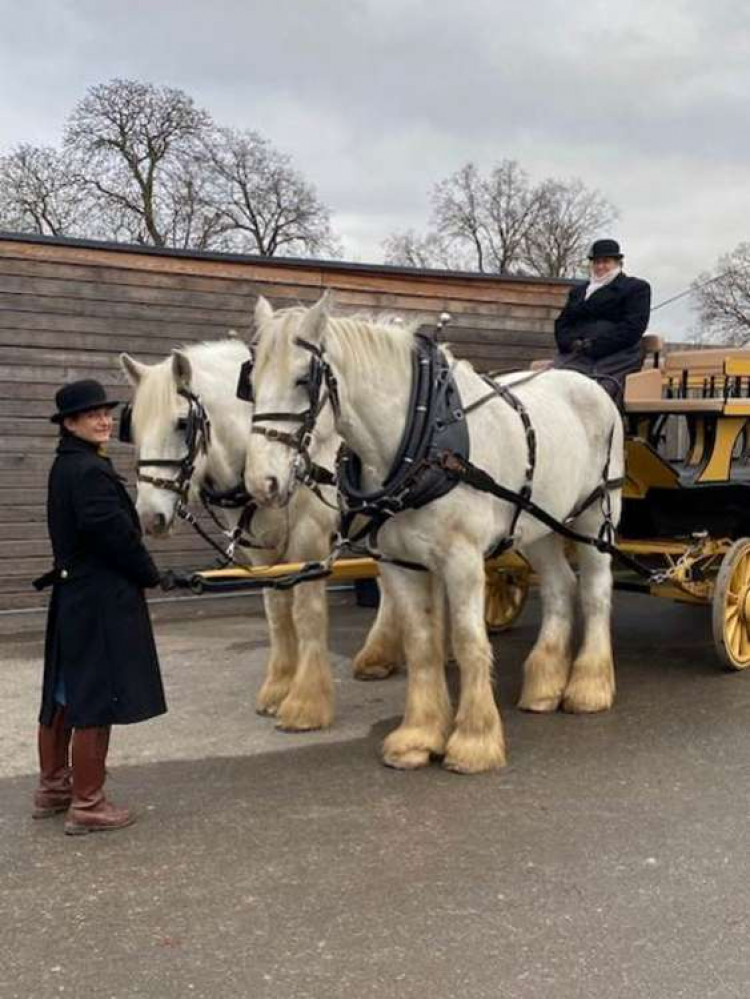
125, 429
244, 383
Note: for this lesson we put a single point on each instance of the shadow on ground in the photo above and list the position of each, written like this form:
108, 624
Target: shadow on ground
608, 860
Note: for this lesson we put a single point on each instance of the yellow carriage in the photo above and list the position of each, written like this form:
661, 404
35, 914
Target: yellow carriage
686, 507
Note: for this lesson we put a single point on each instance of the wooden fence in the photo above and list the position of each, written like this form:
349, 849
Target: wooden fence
68, 307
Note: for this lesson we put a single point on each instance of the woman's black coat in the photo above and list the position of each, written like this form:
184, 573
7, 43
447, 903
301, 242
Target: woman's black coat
600, 336
98, 629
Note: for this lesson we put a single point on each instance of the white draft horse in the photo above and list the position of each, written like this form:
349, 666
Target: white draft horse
298, 687
578, 435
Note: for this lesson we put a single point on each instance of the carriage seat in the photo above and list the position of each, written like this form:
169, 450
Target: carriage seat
652, 349
690, 381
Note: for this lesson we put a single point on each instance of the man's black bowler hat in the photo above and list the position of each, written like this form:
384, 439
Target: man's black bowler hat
79, 397
605, 248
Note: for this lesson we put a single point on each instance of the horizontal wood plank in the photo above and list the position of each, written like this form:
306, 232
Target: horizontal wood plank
67, 311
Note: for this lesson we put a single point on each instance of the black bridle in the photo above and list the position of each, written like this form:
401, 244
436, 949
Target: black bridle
319, 374
197, 429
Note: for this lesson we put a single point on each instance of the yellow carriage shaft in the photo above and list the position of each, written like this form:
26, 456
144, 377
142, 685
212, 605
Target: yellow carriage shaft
343, 570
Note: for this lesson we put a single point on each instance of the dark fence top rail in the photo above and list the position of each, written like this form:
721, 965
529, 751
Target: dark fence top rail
291, 262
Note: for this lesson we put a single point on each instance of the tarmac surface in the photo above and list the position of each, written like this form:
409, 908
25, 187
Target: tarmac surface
609, 859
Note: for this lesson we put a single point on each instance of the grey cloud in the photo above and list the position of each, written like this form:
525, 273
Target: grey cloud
378, 99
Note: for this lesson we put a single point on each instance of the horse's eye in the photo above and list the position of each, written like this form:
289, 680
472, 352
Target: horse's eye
303, 382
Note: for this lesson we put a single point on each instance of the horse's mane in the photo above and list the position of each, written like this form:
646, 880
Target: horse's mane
156, 397
369, 340
363, 337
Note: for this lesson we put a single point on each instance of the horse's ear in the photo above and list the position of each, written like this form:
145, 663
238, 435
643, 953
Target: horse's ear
133, 369
263, 311
181, 369
314, 324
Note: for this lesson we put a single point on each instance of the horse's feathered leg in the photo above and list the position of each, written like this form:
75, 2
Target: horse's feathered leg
547, 666
282, 661
591, 686
309, 703
428, 714
383, 649
476, 743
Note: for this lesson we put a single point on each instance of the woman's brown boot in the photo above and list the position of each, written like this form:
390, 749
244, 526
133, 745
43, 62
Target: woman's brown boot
55, 791
89, 810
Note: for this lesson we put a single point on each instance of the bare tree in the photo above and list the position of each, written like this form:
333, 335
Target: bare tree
500, 223
142, 163
40, 193
195, 215
133, 142
458, 211
263, 204
409, 249
490, 215
723, 298
513, 208
568, 217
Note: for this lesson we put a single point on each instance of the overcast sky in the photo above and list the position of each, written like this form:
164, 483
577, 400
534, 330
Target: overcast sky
376, 100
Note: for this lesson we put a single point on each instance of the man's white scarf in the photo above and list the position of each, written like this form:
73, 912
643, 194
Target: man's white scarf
595, 285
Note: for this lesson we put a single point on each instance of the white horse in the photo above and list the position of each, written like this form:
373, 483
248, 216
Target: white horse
578, 435
298, 688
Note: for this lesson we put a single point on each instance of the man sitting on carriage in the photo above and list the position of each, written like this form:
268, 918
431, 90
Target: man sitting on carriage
598, 332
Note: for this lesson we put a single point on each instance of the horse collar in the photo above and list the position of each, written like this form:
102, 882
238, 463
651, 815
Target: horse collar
435, 423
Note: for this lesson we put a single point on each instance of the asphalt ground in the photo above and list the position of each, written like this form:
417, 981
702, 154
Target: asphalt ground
609, 859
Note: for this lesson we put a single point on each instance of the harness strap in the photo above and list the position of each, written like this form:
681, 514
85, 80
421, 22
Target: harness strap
463, 470
184, 514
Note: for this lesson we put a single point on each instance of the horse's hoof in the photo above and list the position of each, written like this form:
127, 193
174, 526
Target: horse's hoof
373, 671
267, 711
295, 716
372, 665
298, 727
589, 694
587, 702
409, 747
474, 754
412, 759
270, 698
540, 705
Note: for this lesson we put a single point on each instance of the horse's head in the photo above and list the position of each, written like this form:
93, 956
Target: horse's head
168, 428
288, 390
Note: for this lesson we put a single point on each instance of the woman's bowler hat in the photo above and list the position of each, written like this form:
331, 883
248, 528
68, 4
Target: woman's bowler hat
79, 397
605, 248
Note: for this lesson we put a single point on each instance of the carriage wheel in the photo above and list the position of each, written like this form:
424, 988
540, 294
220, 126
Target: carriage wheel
505, 595
731, 606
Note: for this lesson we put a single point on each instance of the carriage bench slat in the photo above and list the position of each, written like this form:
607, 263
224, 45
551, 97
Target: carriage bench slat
707, 405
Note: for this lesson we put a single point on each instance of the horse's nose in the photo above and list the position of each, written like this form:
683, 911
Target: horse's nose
154, 523
272, 486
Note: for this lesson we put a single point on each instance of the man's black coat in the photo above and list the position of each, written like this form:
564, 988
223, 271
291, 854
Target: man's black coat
601, 336
612, 319
98, 629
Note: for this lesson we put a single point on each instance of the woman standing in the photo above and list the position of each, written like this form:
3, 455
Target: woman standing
100, 667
